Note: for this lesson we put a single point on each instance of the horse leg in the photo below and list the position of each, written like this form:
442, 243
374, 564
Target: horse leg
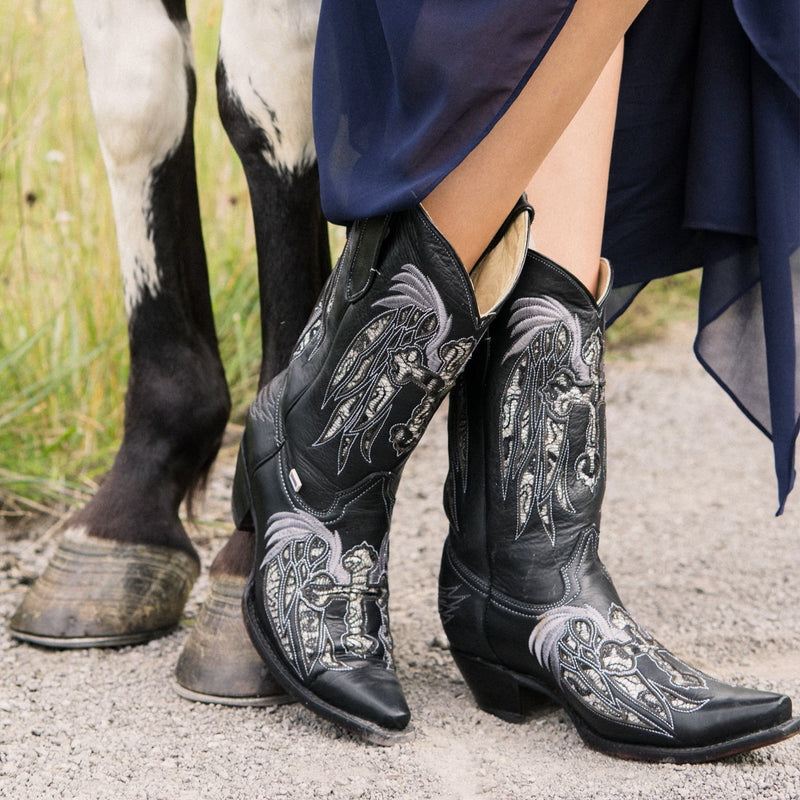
125, 566
264, 98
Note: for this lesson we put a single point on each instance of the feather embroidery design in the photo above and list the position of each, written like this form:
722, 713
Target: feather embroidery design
554, 372
405, 343
309, 582
314, 331
597, 660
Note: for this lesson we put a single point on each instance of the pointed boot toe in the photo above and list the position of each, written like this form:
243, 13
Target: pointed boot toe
740, 714
370, 693
733, 720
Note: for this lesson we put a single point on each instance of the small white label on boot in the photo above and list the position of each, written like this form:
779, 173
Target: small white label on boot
294, 479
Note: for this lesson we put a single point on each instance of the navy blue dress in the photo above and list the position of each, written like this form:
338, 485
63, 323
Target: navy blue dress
705, 166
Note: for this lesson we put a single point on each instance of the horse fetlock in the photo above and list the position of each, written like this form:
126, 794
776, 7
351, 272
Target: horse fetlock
136, 504
177, 407
236, 557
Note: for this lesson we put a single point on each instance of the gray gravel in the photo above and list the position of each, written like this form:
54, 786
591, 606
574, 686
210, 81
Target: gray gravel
689, 535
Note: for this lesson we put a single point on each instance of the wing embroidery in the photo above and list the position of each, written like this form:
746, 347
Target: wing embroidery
406, 343
553, 372
602, 662
314, 332
318, 596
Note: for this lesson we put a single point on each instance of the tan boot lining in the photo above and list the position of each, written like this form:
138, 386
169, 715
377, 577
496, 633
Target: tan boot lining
603, 281
495, 274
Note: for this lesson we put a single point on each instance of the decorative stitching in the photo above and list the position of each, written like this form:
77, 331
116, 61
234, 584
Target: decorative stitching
598, 660
555, 371
318, 596
338, 499
585, 549
407, 343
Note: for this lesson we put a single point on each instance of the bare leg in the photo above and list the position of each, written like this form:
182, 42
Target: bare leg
470, 204
569, 190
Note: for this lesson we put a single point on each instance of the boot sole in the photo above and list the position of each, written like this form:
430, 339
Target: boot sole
511, 697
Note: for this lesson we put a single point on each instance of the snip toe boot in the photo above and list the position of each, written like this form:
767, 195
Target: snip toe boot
526, 603
324, 446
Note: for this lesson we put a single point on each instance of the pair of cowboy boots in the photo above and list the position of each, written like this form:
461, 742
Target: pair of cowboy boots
525, 601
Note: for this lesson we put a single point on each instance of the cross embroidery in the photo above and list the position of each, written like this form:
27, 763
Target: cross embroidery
358, 562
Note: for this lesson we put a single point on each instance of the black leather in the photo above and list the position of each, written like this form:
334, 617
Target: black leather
321, 456
525, 601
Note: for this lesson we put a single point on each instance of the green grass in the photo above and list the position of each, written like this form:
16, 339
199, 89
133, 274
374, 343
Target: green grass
661, 302
63, 341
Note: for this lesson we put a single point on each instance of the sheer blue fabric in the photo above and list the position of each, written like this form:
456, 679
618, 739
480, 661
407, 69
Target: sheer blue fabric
705, 168
404, 90
706, 172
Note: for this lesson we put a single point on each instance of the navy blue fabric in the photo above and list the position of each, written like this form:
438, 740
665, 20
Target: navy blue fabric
404, 90
705, 167
706, 172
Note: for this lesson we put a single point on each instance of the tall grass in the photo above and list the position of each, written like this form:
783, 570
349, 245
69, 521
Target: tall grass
660, 303
63, 339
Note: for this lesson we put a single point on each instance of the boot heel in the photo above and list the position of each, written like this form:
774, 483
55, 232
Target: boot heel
496, 690
240, 497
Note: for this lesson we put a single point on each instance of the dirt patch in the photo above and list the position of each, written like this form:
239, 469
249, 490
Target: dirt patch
689, 535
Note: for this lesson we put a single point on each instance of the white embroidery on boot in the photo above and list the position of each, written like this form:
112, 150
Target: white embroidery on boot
597, 660
407, 344
305, 574
555, 372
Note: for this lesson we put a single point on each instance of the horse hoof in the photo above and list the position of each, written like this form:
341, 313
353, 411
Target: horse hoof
219, 663
101, 593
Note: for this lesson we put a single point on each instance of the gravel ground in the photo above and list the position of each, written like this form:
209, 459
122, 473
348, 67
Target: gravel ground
689, 535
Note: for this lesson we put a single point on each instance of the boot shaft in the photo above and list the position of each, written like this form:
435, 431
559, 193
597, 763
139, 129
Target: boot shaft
395, 326
329, 436
527, 440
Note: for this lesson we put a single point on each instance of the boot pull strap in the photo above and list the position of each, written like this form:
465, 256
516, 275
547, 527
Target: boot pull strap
366, 239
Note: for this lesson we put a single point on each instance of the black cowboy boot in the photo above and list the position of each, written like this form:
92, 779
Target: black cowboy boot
324, 446
526, 603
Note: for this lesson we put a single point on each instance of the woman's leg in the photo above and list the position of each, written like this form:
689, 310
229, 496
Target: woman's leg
470, 204
569, 190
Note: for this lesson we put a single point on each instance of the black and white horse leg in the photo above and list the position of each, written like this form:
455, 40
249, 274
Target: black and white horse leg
264, 99
125, 567
264, 95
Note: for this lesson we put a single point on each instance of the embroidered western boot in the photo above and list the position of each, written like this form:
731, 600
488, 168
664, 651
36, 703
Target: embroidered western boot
526, 603
324, 446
